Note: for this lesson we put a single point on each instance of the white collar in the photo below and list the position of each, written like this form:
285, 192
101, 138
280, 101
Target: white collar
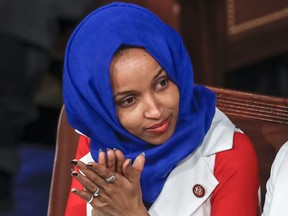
220, 135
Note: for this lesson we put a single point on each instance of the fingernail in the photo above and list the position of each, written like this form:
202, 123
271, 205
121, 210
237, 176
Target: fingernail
100, 150
130, 162
74, 162
108, 149
73, 190
143, 154
74, 173
115, 149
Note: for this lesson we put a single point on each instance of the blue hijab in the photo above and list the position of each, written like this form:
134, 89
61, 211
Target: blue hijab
88, 95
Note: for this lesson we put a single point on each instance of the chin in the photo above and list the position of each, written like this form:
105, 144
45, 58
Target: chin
159, 140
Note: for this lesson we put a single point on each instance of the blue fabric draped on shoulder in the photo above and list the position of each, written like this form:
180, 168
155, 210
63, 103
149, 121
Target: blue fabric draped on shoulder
88, 95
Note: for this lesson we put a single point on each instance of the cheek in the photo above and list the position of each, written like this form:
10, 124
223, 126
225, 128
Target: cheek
172, 99
129, 119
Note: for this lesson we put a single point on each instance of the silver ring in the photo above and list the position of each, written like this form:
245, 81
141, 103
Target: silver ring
91, 199
96, 193
111, 179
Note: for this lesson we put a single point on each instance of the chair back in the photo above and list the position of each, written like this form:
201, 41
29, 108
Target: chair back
65, 151
263, 118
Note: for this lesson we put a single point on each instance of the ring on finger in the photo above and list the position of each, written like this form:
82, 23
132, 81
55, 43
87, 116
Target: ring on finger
111, 179
91, 199
96, 193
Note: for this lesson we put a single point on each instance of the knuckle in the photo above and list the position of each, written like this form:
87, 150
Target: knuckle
91, 188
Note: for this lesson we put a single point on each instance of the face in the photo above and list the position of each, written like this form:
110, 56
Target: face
147, 101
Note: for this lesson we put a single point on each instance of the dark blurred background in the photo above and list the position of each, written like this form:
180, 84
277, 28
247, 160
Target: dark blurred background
236, 44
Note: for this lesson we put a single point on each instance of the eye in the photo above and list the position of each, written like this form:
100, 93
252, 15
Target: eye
127, 102
162, 83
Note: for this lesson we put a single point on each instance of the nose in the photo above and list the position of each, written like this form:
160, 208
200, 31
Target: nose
152, 108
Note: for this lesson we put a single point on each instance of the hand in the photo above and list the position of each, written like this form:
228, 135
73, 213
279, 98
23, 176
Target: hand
114, 161
123, 196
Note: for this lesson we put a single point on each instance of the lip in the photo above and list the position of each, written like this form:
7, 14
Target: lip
160, 127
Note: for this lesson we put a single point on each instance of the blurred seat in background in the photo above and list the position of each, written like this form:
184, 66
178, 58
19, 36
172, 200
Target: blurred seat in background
245, 40
28, 30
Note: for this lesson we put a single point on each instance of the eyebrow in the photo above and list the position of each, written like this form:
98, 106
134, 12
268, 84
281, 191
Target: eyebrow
158, 72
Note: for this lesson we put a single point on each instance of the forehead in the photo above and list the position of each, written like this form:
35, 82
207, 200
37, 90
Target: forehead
132, 65
132, 58
129, 53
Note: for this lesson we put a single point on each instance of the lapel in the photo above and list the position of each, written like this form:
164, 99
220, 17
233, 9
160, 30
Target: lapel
177, 196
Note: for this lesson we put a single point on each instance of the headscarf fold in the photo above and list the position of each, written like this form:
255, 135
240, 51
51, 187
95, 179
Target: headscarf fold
88, 95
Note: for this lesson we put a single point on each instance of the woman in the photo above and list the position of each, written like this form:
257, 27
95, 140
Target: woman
277, 185
128, 89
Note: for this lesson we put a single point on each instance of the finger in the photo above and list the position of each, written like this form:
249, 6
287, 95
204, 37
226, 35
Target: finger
86, 170
82, 168
97, 202
93, 171
79, 165
85, 195
102, 173
133, 171
126, 166
102, 157
120, 158
85, 182
139, 162
111, 160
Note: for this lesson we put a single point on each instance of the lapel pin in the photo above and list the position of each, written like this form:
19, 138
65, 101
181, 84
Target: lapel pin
198, 190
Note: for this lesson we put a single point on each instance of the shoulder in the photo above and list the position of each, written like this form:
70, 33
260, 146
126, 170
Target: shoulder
241, 158
236, 170
242, 147
277, 184
282, 154
83, 147
280, 164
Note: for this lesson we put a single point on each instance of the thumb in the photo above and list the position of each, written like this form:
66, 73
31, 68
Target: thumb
133, 172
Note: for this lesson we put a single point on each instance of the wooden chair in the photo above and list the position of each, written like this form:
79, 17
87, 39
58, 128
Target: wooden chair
264, 119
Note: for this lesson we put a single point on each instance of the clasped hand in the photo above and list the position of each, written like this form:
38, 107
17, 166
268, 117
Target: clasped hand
111, 186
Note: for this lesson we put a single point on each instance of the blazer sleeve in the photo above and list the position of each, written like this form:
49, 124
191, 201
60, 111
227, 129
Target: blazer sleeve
237, 173
75, 205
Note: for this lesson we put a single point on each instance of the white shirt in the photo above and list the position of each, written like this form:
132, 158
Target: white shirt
277, 186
